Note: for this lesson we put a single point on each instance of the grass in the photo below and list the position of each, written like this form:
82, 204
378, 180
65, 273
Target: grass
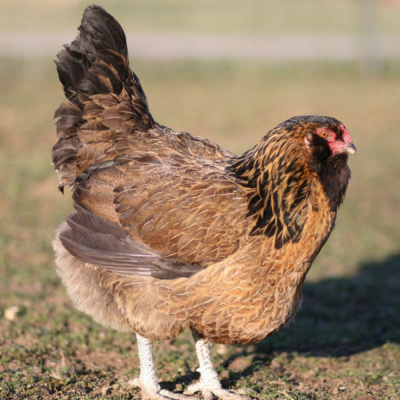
344, 343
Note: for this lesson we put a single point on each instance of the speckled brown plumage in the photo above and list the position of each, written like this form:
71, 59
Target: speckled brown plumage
172, 231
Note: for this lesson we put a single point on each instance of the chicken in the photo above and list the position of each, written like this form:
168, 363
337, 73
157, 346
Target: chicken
171, 231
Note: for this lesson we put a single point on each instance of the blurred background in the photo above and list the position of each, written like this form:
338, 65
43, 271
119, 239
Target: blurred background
229, 71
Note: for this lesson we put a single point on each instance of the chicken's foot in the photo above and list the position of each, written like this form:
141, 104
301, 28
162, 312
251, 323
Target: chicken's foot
148, 381
209, 384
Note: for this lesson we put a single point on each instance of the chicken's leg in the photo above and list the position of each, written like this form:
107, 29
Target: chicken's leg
148, 381
209, 383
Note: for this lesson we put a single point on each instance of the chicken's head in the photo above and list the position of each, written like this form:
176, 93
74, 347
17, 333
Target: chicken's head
331, 135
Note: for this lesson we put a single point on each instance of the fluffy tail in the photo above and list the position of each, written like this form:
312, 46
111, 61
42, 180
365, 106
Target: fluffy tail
105, 100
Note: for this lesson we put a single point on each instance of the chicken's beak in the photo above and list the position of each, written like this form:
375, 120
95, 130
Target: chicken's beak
350, 148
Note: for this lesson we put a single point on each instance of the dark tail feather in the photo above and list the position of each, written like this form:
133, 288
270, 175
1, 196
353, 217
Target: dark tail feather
101, 90
99, 31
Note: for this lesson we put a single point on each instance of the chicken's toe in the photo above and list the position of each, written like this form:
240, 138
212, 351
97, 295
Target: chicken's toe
176, 396
225, 394
209, 393
156, 393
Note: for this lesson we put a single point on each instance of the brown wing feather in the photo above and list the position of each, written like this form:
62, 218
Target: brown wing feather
188, 210
97, 241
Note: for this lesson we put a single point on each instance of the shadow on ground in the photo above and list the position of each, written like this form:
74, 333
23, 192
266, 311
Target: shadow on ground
339, 317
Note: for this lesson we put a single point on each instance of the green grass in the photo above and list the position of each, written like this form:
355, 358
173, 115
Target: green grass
344, 343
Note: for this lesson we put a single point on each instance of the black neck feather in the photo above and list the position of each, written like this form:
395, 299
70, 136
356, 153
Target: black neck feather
335, 177
333, 171
280, 190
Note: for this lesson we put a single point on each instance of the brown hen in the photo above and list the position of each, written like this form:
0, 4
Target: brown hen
172, 231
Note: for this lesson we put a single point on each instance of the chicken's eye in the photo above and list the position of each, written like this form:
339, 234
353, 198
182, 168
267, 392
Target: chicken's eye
324, 135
